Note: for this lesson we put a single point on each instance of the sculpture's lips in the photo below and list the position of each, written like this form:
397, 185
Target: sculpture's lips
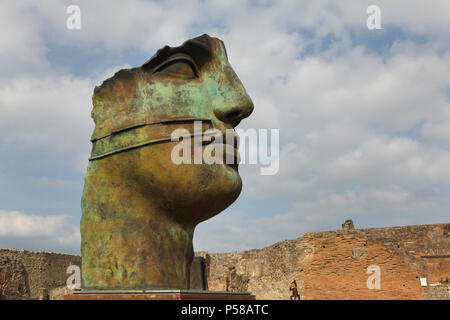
229, 142
231, 153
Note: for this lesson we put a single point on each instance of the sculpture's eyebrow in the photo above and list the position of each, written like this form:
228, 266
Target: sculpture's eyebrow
199, 49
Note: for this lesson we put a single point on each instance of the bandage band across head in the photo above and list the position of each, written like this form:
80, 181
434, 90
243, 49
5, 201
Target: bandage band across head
144, 134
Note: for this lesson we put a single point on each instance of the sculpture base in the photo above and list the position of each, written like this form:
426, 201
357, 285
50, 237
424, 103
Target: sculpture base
157, 295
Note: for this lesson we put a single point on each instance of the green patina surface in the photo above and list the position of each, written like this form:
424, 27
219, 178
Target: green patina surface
139, 208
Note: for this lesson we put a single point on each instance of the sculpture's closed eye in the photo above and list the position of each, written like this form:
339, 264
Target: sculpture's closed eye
179, 65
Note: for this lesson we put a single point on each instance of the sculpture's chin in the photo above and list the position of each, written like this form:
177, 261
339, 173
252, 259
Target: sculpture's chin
219, 193
188, 193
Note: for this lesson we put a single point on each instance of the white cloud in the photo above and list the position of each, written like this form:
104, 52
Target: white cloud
50, 232
22, 48
141, 25
47, 114
437, 131
349, 120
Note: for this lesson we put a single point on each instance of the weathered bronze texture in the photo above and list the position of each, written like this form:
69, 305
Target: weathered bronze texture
160, 295
139, 208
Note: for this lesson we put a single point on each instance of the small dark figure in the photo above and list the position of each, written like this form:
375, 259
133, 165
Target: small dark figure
293, 287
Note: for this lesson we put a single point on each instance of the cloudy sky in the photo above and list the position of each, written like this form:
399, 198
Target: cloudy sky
364, 115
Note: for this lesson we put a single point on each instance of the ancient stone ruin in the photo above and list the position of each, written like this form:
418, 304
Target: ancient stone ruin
333, 265
414, 263
348, 225
33, 274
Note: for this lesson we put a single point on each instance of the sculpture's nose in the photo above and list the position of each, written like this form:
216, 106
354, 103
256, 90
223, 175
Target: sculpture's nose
234, 111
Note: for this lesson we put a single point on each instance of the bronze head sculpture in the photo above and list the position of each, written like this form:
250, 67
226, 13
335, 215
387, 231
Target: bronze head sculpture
139, 208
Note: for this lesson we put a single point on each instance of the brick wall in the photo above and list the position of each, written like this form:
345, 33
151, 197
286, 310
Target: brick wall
439, 292
326, 265
333, 265
33, 274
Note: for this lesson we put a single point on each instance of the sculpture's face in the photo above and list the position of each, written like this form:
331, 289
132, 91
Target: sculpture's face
144, 105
